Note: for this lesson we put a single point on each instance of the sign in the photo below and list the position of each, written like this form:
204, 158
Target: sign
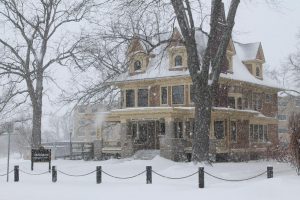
41, 155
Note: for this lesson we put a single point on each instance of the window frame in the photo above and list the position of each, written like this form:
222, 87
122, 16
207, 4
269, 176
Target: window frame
134, 65
138, 102
268, 98
236, 133
134, 98
257, 70
183, 103
261, 129
282, 119
223, 135
175, 61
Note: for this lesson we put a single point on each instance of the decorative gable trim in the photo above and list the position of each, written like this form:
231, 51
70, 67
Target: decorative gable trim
135, 47
176, 39
260, 54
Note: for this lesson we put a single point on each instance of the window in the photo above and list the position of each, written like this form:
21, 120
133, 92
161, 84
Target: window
239, 103
282, 117
134, 129
137, 65
231, 102
282, 130
130, 98
178, 94
219, 129
268, 98
257, 101
233, 131
258, 133
247, 100
178, 61
142, 97
178, 129
162, 128
257, 72
164, 95
189, 128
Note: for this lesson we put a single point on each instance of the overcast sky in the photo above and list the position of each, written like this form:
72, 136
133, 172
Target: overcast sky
275, 27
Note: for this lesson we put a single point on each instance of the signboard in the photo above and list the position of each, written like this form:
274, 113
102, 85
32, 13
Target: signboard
41, 155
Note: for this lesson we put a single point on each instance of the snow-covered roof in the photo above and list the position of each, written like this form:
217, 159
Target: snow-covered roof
158, 66
247, 51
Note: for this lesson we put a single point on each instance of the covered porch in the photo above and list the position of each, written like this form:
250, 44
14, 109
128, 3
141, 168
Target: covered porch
170, 129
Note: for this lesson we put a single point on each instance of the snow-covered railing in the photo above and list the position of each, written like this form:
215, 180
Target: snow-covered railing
148, 172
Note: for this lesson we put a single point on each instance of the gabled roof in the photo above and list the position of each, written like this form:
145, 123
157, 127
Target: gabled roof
250, 51
158, 67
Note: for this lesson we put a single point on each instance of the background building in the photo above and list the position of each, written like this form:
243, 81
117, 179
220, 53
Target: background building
287, 104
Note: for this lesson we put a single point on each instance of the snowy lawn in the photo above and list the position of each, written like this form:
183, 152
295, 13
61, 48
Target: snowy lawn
284, 185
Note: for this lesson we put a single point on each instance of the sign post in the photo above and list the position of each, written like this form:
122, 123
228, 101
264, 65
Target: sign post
41, 155
9, 129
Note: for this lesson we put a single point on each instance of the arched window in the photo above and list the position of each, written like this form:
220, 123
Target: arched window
178, 61
257, 71
137, 65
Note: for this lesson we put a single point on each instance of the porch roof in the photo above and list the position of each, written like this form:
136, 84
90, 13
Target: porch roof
148, 113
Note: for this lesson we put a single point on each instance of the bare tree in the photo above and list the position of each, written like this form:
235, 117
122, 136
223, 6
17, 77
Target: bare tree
35, 39
294, 127
205, 71
148, 21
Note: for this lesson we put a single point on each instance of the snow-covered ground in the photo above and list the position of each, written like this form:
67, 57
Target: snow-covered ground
284, 185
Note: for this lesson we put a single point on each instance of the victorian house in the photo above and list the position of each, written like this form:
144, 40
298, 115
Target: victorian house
157, 110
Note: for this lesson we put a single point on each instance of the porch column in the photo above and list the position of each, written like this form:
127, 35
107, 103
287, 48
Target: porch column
169, 126
126, 144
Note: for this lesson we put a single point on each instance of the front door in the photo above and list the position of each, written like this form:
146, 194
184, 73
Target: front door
145, 137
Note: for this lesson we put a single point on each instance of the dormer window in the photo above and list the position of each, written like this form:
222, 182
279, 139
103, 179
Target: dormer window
137, 65
257, 72
177, 58
178, 61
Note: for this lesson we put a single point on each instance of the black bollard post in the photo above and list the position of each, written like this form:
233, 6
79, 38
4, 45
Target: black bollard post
99, 174
16, 173
201, 177
270, 172
148, 175
54, 174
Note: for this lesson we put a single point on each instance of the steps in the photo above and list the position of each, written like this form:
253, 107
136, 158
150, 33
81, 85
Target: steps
145, 154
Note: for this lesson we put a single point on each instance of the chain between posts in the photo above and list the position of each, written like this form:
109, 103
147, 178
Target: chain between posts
118, 177
33, 174
168, 177
6, 173
235, 180
76, 175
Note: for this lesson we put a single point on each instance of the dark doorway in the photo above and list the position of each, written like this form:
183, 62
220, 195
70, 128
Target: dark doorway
146, 135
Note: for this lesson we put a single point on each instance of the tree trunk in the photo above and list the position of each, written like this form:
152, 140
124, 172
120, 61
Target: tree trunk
36, 125
37, 110
200, 151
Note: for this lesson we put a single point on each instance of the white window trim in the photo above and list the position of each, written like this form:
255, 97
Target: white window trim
138, 97
135, 98
184, 98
